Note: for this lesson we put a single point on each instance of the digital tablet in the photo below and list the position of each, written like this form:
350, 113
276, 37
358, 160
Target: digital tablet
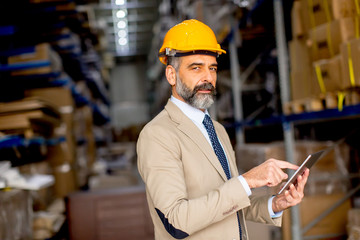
308, 163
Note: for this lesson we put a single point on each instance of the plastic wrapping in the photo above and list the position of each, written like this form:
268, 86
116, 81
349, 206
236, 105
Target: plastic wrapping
15, 215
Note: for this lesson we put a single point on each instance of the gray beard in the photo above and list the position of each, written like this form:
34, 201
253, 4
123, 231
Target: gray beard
197, 100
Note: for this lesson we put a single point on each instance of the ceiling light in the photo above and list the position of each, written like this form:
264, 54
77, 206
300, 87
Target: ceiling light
121, 24
119, 2
123, 41
122, 33
121, 14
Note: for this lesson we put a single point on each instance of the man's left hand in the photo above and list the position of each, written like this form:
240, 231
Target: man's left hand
292, 196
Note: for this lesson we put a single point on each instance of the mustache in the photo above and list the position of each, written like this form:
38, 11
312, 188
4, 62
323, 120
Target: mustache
205, 86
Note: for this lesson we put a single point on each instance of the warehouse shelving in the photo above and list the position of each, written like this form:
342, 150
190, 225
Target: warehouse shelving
61, 144
289, 121
351, 111
22, 66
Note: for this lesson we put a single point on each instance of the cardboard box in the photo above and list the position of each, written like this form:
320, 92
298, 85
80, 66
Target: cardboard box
301, 82
350, 60
300, 85
316, 12
297, 22
60, 153
332, 164
348, 29
66, 129
83, 129
327, 73
311, 207
60, 97
29, 123
252, 155
299, 55
65, 180
42, 52
324, 41
28, 117
344, 8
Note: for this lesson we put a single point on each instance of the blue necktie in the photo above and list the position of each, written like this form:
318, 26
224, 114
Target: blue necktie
216, 144
219, 152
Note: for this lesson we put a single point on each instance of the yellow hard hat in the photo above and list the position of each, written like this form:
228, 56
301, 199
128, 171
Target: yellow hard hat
189, 37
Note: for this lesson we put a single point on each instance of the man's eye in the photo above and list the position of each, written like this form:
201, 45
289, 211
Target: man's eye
213, 69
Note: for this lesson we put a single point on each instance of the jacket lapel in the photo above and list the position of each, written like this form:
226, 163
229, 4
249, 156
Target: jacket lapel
191, 130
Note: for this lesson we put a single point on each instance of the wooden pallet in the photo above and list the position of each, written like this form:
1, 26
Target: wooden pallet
352, 96
329, 100
304, 105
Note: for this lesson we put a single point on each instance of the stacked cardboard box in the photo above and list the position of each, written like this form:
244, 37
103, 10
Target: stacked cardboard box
75, 156
251, 155
320, 192
29, 117
62, 154
40, 116
323, 50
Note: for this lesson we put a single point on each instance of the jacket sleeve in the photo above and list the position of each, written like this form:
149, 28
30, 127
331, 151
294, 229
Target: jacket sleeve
258, 211
161, 168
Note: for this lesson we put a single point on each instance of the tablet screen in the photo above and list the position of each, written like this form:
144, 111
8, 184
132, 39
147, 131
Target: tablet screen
308, 163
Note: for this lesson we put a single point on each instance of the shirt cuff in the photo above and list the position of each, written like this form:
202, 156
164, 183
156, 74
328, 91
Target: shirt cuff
271, 212
245, 185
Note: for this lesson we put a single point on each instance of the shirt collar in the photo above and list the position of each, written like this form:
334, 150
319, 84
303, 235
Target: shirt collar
194, 114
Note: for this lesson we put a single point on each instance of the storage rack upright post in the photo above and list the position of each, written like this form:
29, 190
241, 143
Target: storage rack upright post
288, 127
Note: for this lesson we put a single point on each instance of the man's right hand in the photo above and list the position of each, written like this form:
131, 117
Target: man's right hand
269, 173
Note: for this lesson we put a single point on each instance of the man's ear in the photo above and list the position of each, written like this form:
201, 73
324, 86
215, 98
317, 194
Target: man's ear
170, 74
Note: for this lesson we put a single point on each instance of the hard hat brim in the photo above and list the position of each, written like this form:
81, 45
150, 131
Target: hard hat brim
215, 52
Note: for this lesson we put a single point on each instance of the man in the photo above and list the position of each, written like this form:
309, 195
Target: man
192, 182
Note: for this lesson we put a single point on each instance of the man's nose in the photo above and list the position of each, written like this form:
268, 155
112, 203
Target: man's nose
208, 76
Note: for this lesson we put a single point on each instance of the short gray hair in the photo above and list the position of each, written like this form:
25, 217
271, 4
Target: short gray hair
174, 61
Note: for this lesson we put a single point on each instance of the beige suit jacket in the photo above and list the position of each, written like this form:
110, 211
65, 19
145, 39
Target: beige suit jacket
187, 191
